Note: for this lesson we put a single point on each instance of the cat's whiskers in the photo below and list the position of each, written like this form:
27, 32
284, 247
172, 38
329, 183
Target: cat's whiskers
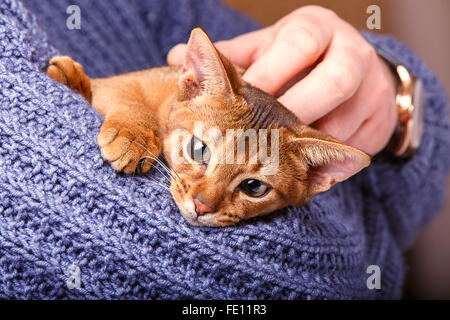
153, 157
168, 172
157, 183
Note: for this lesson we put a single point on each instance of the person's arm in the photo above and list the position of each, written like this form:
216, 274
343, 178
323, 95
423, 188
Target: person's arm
414, 191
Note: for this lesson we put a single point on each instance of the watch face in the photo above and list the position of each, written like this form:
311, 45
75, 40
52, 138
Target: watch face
417, 127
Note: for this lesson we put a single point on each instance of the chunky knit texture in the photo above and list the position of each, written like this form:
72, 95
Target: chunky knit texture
62, 205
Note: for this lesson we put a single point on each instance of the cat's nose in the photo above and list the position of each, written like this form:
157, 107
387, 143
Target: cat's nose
201, 207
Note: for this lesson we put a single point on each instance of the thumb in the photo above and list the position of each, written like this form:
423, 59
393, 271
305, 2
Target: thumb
175, 57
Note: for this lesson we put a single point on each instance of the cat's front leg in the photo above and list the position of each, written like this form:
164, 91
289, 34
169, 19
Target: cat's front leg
128, 145
127, 138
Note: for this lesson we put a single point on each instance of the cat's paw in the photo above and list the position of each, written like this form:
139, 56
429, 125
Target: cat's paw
128, 147
66, 71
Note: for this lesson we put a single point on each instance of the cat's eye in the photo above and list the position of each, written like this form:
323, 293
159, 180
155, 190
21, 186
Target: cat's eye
198, 151
254, 188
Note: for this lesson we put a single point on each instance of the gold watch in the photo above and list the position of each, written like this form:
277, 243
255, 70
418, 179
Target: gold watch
410, 104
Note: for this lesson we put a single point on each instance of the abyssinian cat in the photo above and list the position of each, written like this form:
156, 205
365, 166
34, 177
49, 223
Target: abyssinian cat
142, 111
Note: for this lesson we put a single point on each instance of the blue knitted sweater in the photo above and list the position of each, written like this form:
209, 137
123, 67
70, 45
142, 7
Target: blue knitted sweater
62, 205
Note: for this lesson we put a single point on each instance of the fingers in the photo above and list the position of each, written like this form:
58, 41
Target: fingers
328, 85
343, 121
245, 49
374, 133
298, 44
375, 99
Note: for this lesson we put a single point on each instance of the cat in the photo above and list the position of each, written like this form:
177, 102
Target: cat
143, 109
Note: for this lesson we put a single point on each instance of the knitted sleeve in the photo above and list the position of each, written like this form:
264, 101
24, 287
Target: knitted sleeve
413, 193
71, 227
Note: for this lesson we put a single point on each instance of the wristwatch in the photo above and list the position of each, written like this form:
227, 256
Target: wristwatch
410, 104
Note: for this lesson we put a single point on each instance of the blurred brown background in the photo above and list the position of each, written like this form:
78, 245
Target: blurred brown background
424, 26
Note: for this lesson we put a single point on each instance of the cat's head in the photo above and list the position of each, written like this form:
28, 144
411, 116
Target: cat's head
219, 130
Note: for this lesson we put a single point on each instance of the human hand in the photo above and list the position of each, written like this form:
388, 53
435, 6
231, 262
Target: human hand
349, 92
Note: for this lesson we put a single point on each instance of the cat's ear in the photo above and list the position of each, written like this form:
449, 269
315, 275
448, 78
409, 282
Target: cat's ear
328, 161
205, 71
